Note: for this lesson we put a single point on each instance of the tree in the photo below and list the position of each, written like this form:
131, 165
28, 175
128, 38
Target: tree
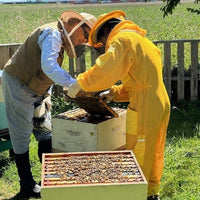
172, 4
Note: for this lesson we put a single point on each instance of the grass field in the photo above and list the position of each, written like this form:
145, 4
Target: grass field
182, 154
17, 21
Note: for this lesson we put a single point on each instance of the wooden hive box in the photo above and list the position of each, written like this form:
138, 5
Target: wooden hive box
111, 175
77, 131
4, 123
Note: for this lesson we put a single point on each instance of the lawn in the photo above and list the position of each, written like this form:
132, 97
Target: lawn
182, 153
17, 21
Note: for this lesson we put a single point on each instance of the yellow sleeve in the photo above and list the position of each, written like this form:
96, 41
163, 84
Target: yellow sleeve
119, 93
108, 69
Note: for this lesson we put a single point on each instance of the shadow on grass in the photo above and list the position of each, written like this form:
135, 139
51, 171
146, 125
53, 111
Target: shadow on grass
184, 120
4, 164
18, 196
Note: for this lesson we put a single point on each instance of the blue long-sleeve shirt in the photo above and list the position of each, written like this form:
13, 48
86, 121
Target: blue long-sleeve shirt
50, 44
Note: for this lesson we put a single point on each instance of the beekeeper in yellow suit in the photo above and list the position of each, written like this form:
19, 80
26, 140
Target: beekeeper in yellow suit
134, 60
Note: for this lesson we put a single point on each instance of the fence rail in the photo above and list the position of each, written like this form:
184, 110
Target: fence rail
181, 65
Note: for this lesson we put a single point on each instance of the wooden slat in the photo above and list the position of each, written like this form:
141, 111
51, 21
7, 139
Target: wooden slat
167, 67
13, 48
80, 61
4, 55
194, 71
71, 67
175, 41
180, 75
80, 65
6, 51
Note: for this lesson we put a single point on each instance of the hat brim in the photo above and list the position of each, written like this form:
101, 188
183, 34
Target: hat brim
65, 16
100, 22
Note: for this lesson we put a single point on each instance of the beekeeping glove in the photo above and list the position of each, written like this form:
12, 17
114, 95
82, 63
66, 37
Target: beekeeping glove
106, 95
73, 90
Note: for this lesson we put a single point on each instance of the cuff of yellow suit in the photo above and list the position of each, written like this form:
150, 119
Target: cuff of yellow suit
82, 83
153, 189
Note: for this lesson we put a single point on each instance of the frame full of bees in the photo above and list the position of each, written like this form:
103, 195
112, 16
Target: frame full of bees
108, 175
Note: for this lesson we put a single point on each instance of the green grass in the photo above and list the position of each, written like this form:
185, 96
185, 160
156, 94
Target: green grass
17, 21
181, 175
180, 180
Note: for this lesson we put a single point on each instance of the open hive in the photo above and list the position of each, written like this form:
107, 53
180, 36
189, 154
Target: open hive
110, 175
80, 115
78, 131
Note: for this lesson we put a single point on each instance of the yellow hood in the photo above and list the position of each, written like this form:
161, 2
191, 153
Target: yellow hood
125, 25
99, 23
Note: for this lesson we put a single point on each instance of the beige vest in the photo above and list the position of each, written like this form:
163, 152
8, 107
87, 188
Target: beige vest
25, 64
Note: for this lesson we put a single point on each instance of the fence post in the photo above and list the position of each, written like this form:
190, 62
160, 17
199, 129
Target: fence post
71, 67
194, 71
167, 67
80, 61
180, 72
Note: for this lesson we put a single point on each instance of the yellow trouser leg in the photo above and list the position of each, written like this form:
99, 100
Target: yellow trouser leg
148, 147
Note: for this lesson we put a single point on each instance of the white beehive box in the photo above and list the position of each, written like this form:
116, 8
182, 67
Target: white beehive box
85, 133
112, 175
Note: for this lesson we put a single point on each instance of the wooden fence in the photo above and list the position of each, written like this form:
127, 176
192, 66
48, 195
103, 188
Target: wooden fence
181, 61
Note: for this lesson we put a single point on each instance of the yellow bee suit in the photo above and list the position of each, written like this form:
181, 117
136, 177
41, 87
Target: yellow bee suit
136, 61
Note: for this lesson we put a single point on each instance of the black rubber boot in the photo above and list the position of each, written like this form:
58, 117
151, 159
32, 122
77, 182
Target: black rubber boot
153, 197
44, 146
27, 182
